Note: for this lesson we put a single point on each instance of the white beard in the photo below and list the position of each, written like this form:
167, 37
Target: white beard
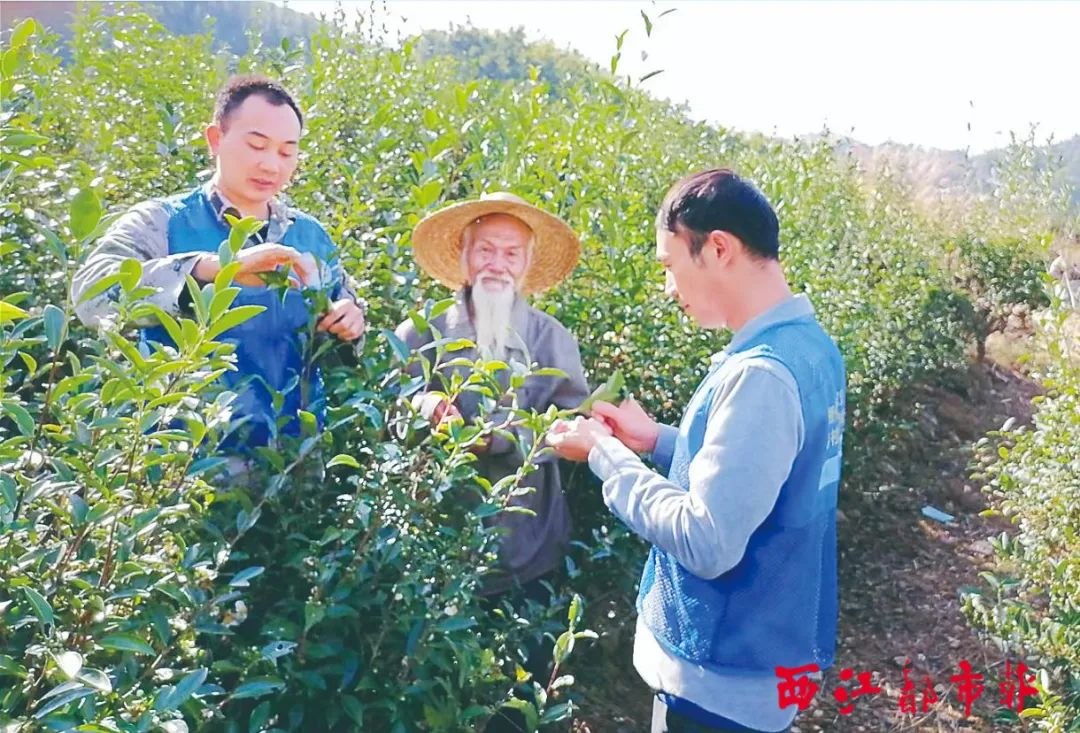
491, 317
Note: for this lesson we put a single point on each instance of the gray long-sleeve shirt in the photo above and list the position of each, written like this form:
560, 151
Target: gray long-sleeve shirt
142, 233
735, 478
533, 544
753, 433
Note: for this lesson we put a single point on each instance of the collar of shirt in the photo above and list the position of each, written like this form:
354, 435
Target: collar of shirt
789, 309
460, 326
280, 215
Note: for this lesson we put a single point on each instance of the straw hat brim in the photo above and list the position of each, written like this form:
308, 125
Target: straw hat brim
437, 243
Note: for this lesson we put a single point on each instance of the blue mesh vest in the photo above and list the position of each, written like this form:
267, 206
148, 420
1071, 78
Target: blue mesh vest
778, 606
268, 346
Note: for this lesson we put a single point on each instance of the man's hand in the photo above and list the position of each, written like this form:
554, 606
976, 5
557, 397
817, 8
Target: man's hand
258, 259
436, 408
574, 439
345, 319
629, 423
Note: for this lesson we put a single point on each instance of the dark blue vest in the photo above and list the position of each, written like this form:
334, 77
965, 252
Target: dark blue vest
268, 346
778, 606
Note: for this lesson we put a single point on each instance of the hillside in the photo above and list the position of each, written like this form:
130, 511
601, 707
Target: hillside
930, 173
228, 19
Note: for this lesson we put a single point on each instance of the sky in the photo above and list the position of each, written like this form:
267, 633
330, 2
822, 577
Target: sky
954, 75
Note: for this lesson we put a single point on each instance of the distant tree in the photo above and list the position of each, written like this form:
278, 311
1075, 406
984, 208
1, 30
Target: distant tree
503, 55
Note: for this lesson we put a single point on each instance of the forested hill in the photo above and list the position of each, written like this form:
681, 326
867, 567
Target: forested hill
229, 19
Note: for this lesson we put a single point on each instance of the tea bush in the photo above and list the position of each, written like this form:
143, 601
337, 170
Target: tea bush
1030, 602
1032, 599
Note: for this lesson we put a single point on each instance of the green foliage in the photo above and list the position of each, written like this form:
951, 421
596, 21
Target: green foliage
609, 391
998, 278
1032, 475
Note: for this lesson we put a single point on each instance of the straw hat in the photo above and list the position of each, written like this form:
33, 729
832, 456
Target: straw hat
437, 241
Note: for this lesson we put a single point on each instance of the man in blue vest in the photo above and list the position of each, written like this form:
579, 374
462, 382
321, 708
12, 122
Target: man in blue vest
741, 511
254, 137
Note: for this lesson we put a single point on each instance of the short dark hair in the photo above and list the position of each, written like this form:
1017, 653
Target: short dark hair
718, 199
238, 88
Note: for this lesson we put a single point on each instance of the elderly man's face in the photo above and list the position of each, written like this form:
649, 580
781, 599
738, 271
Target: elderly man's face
498, 253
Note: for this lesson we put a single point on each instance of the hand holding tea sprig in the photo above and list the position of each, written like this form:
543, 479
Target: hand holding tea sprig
344, 319
257, 261
258, 264
628, 422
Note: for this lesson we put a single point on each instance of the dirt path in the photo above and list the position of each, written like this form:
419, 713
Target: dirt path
900, 580
901, 573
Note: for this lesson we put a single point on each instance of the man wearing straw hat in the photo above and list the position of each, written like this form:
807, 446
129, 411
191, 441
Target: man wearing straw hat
492, 253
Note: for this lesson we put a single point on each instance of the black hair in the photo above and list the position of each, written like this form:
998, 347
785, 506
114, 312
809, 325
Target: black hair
239, 88
719, 200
